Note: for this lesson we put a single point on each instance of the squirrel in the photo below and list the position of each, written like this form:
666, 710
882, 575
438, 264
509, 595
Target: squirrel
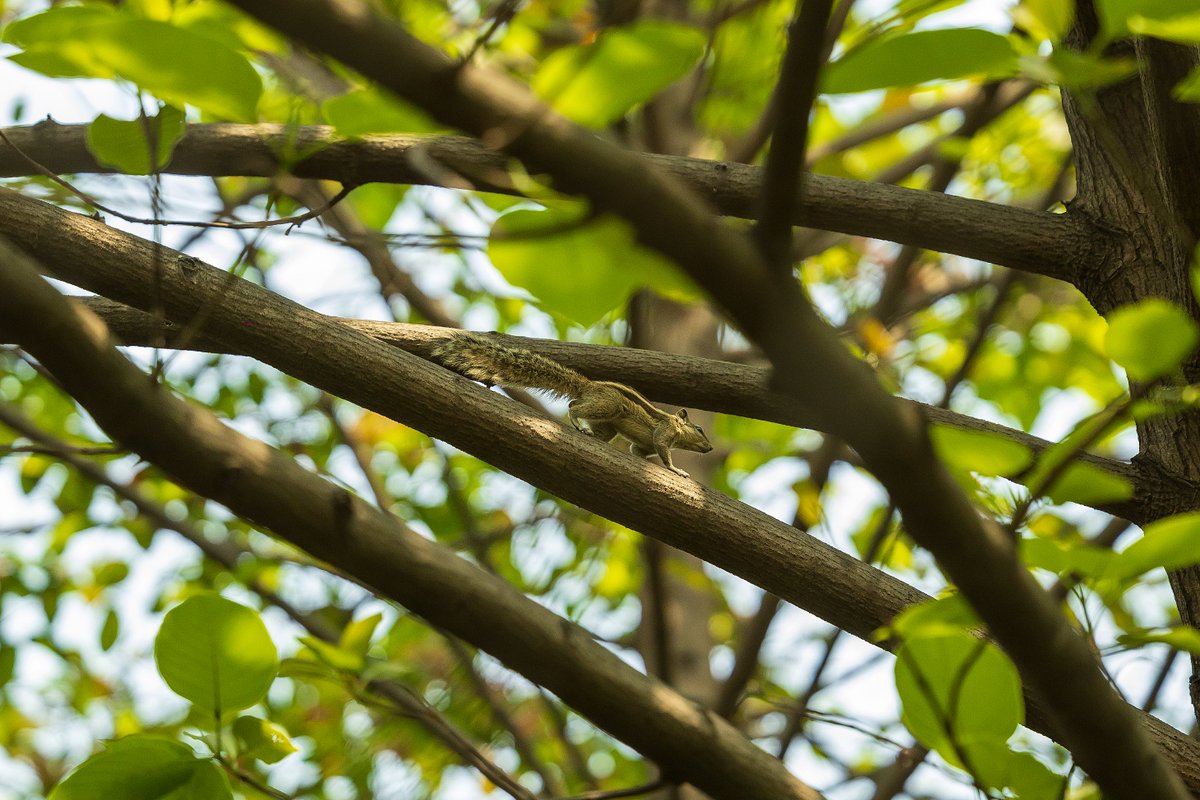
609, 409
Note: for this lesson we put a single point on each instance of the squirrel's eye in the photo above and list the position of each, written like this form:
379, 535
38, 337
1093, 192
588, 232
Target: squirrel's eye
699, 429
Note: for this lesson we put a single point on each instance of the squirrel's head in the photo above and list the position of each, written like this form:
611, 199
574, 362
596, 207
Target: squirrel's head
689, 436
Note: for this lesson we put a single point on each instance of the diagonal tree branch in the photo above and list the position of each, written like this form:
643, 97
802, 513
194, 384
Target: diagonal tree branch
683, 380
241, 317
227, 555
257, 482
1032, 241
1098, 727
783, 175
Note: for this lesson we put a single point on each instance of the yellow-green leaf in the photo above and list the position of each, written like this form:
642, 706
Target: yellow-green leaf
125, 144
979, 451
1150, 338
215, 653
598, 83
921, 56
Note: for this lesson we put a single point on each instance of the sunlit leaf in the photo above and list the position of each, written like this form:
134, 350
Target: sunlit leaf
125, 144
979, 451
367, 111
994, 764
175, 64
1074, 70
215, 653
356, 637
8, 662
1060, 557
1188, 89
942, 615
1090, 485
596, 84
1120, 17
144, 768
1045, 19
340, 658
56, 42
109, 630
260, 739
1184, 28
1184, 638
1171, 543
1150, 338
921, 56
954, 686
578, 267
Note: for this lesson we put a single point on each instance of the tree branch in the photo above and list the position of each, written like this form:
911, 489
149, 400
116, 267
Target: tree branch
227, 555
683, 380
257, 482
1098, 728
241, 317
783, 175
1032, 241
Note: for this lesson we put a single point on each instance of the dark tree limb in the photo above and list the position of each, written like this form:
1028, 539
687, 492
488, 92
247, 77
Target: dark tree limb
259, 483
1097, 727
243, 318
1031, 241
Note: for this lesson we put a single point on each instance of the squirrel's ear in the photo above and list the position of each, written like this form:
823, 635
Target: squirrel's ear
682, 414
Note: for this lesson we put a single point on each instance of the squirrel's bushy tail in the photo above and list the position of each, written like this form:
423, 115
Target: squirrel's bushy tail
483, 359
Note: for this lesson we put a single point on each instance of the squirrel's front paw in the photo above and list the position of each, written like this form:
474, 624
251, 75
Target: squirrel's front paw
678, 471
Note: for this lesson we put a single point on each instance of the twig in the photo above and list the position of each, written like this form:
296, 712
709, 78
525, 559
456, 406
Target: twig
94, 203
783, 174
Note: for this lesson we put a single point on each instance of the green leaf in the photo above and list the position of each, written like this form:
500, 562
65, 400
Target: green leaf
215, 653
1059, 557
56, 44
340, 658
108, 573
367, 111
1120, 17
259, 739
1150, 338
1183, 637
1184, 28
921, 56
33, 469
175, 64
1045, 19
110, 629
979, 451
1188, 89
356, 637
994, 764
949, 614
597, 84
955, 687
1078, 70
1171, 543
8, 663
1088, 484
181, 66
580, 268
125, 146
144, 768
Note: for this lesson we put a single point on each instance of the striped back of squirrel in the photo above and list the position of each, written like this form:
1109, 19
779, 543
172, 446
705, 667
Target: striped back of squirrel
483, 359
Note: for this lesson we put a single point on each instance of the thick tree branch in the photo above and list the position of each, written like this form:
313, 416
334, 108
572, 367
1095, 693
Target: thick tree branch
783, 176
227, 555
1032, 241
1098, 728
241, 317
682, 380
257, 482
